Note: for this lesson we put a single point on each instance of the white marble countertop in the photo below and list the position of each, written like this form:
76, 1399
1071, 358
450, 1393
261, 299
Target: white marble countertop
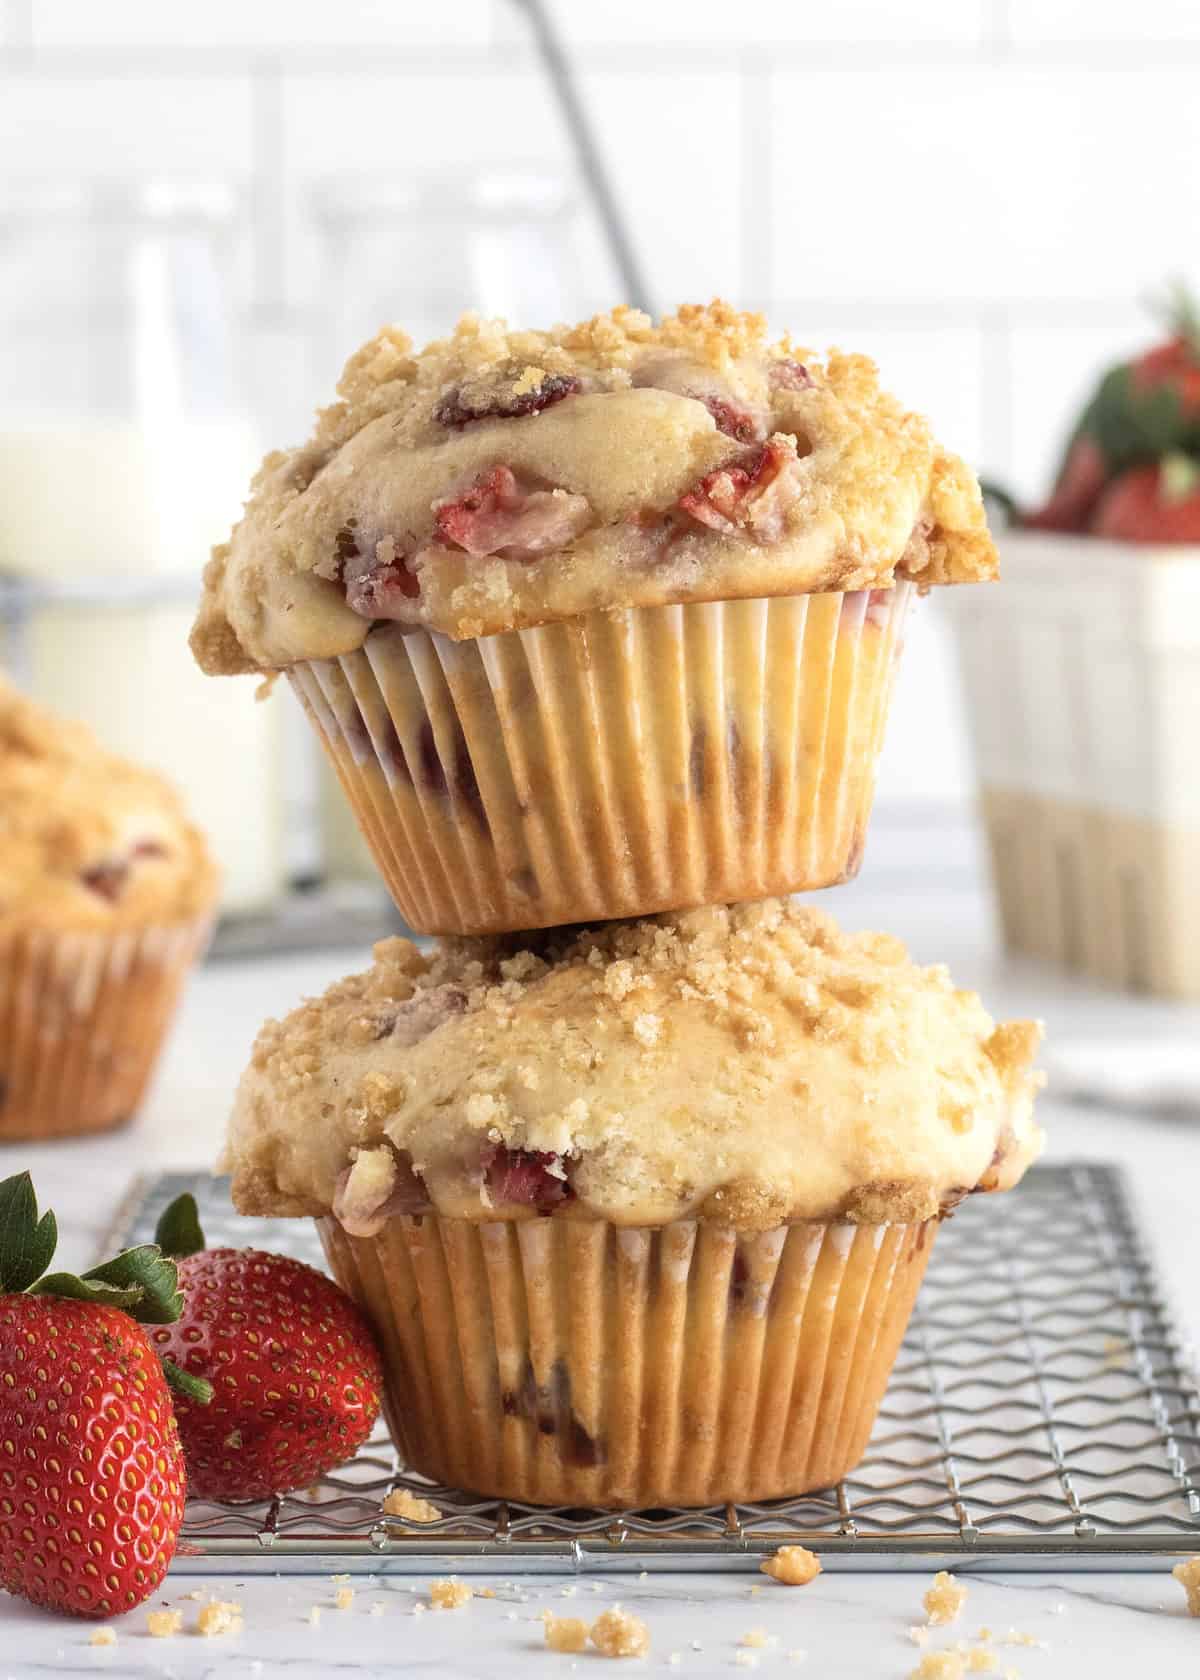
852, 1625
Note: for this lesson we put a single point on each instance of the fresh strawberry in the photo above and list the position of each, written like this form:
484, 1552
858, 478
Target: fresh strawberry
1079, 486
92, 1480
295, 1372
1142, 411
1159, 503
502, 514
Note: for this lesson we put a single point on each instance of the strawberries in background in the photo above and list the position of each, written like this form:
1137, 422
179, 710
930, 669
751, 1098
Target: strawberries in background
1131, 468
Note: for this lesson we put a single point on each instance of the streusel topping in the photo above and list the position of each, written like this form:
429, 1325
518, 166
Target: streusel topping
498, 479
88, 840
749, 1065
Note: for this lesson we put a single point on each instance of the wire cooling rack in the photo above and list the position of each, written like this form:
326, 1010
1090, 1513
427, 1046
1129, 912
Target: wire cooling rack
1041, 1415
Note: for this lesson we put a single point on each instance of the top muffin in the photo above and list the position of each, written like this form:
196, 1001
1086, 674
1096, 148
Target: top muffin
750, 1065
89, 841
500, 479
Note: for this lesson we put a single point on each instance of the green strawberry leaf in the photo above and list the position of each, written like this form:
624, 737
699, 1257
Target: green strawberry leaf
27, 1243
67, 1287
185, 1383
178, 1232
146, 1269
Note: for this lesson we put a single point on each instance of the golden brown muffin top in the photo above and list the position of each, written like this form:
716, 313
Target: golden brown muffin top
749, 1065
89, 841
499, 479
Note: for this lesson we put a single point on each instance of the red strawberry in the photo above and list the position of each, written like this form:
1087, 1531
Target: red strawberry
1079, 486
294, 1368
92, 1481
1159, 503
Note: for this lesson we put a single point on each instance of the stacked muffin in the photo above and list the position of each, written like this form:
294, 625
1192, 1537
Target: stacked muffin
601, 624
107, 891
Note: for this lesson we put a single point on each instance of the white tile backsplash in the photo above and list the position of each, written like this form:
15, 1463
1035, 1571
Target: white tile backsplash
982, 183
259, 24
1072, 22
796, 22
81, 125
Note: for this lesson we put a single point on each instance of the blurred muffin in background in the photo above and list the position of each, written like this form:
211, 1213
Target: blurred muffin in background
638, 1212
597, 621
107, 892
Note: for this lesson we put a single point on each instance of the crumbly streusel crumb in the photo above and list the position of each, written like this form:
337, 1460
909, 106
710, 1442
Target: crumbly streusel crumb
164, 1624
219, 1617
1188, 1576
313, 1617
343, 1598
919, 1635
944, 1600
745, 1659
982, 1661
794, 1566
939, 1665
450, 1594
616, 1633
564, 1633
401, 1503
757, 1638
103, 1636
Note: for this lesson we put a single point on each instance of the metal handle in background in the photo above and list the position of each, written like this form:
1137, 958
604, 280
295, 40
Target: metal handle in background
587, 152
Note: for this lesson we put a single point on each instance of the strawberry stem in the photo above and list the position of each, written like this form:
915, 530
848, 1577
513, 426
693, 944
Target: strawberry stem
184, 1383
178, 1231
1180, 313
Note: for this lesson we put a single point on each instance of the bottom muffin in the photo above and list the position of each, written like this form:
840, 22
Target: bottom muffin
639, 1213
575, 1362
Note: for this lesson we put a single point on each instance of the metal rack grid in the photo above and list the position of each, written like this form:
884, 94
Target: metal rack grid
1041, 1415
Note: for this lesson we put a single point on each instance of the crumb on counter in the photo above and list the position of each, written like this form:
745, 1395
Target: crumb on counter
564, 1633
343, 1598
797, 1657
758, 1638
164, 1624
919, 1635
1188, 1576
615, 1633
450, 1594
401, 1503
376, 1609
103, 1636
219, 1617
939, 1665
981, 1661
944, 1600
314, 1615
745, 1659
794, 1566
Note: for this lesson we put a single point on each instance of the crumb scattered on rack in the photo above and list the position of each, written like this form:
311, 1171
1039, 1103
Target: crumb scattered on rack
401, 1503
794, 1566
1188, 1576
164, 1624
450, 1594
944, 1600
615, 1633
564, 1633
219, 1617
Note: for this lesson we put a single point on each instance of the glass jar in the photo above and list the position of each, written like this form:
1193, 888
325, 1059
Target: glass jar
125, 452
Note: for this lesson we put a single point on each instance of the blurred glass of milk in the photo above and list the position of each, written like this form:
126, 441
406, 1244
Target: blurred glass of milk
125, 453
421, 249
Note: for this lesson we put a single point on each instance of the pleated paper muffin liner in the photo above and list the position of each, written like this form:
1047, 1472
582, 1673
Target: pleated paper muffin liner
617, 763
82, 1019
571, 1361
